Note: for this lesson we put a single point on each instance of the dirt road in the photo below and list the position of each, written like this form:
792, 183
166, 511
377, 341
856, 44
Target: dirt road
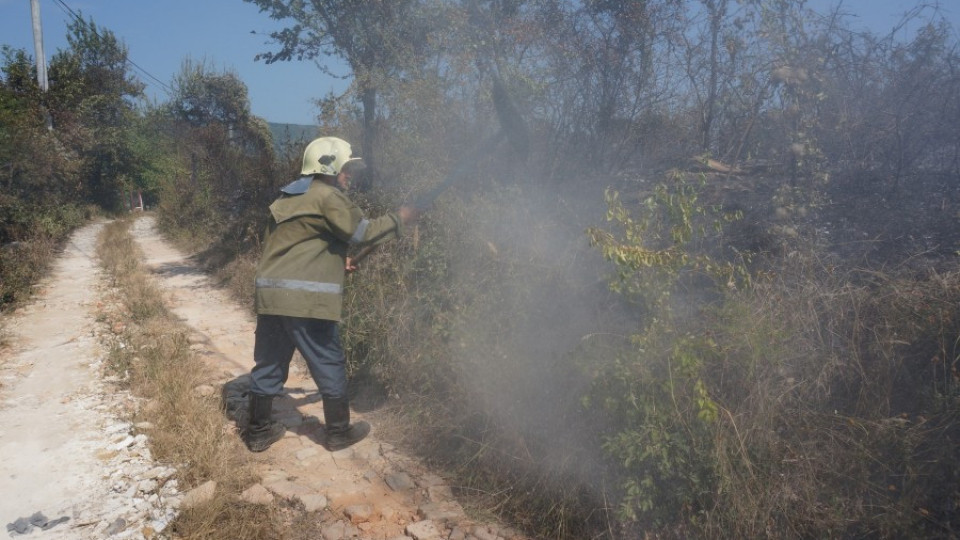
68, 459
66, 450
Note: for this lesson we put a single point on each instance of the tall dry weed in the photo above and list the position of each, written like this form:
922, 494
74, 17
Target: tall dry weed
839, 407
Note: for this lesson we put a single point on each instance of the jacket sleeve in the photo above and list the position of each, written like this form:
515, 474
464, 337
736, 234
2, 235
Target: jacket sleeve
348, 223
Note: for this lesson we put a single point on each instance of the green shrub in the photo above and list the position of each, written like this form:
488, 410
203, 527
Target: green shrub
29, 240
662, 413
802, 403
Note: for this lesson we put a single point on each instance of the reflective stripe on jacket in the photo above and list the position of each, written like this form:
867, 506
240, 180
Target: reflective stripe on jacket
302, 266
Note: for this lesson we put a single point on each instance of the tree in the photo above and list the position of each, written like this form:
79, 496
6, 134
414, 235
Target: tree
21, 130
202, 97
224, 154
704, 65
376, 39
91, 100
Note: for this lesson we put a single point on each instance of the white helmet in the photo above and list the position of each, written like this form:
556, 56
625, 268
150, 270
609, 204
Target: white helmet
326, 155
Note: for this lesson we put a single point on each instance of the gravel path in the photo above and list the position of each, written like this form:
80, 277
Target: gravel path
65, 452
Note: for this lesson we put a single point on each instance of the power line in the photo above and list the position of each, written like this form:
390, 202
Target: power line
63, 6
69, 11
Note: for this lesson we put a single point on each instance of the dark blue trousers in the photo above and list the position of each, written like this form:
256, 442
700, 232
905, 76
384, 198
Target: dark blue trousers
277, 336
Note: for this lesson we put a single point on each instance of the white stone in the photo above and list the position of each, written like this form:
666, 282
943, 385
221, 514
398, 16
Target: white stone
424, 530
359, 513
125, 443
257, 494
147, 486
288, 489
313, 502
199, 494
117, 428
445, 511
333, 531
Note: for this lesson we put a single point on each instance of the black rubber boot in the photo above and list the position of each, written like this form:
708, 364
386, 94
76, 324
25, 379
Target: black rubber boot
261, 431
235, 396
340, 432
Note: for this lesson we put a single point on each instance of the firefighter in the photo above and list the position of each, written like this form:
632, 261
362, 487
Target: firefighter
299, 284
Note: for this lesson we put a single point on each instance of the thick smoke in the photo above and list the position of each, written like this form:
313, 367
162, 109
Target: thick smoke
542, 294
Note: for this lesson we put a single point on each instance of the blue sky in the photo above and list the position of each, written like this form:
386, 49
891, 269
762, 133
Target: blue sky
161, 33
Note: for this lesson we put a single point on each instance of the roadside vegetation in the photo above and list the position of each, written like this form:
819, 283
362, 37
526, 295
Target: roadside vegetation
56, 179
150, 353
714, 295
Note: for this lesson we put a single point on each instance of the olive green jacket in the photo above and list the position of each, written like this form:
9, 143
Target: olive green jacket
302, 266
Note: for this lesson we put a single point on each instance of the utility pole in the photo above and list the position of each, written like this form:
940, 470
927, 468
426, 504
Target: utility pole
38, 45
42, 81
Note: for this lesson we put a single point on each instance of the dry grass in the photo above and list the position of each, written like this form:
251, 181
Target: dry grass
240, 274
38, 233
840, 407
21, 266
190, 431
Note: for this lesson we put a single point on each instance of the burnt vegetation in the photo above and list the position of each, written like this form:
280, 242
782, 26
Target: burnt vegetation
716, 295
